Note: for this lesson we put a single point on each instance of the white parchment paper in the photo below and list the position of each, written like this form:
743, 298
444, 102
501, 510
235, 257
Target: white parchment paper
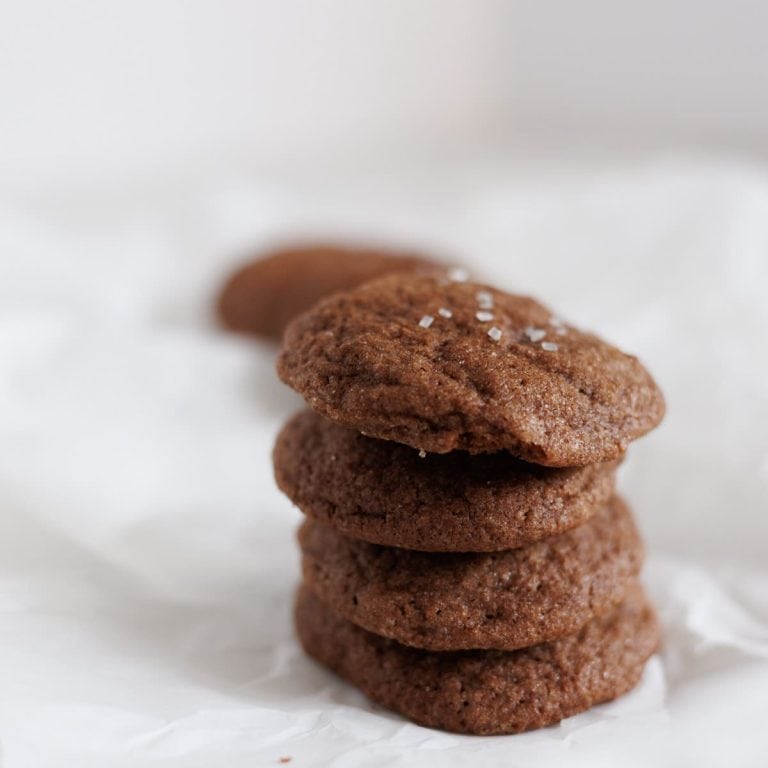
147, 562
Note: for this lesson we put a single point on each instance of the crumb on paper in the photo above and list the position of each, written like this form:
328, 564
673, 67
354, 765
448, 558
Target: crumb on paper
284, 759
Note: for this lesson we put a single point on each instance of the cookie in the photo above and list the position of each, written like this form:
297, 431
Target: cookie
441, 366
487, 692
385, 493
450, 601
264, 295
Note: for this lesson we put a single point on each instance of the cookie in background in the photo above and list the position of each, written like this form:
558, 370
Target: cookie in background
263, 295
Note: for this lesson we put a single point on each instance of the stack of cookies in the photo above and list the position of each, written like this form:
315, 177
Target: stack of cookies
466, 561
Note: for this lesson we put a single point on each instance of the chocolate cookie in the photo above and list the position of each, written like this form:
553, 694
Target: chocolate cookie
384, 493
264, 295
441, 365
487, 692
450, 601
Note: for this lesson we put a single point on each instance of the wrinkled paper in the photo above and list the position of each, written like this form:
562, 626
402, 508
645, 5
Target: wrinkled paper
148, 563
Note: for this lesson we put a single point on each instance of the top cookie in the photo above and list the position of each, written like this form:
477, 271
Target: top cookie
441, 366
264, 295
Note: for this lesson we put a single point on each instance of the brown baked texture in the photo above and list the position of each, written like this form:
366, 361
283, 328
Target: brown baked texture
385, 493
449, 601
499, 373
265, 294
487, 692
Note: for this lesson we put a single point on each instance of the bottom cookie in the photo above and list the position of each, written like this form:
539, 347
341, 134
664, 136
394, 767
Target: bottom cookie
487, 692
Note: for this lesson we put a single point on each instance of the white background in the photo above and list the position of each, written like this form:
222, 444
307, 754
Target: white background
609, 163
95, 91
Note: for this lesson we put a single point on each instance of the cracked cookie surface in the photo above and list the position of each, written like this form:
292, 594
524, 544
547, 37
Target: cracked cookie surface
385, 493
443, 366
487, 692
502, 600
